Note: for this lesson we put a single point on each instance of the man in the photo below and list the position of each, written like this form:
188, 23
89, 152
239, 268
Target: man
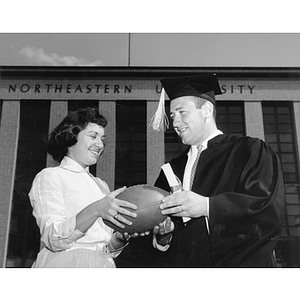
230, 214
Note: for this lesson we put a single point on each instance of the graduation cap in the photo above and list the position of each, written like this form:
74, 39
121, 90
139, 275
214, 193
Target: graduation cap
203, 86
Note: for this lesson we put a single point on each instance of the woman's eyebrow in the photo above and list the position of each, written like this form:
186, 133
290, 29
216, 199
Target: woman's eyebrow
95, 132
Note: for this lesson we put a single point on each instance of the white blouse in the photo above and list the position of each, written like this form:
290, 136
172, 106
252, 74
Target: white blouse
57, 195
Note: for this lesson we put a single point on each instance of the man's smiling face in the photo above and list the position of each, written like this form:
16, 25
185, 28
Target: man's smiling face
189, 122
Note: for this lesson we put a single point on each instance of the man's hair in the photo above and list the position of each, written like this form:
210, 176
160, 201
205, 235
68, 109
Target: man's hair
64, 135
200, 101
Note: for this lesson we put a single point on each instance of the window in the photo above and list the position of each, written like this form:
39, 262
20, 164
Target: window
278, 125
279, 133
24, 237
230, 117
130, 143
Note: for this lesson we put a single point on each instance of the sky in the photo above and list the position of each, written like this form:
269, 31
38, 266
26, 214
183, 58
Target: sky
153, 33
63, 49
151, 49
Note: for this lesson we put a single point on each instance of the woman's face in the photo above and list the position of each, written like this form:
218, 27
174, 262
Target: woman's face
89, 146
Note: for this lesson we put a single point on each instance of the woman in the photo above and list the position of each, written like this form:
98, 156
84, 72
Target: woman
69, 203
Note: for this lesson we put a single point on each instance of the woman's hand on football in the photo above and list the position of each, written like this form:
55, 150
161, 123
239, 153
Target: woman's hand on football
116, 210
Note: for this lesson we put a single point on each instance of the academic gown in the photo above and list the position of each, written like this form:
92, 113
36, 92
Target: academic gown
243, 179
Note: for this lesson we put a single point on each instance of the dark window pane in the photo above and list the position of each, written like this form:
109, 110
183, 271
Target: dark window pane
270, 128
235, 110
268, 110
287, 147
284, 128
292, 199
288, 168
287, 158
269, 119
76, 104
270, 138
288, 177
285, 138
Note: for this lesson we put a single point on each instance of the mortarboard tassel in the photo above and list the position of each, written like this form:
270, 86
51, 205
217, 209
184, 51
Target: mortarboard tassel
160, 120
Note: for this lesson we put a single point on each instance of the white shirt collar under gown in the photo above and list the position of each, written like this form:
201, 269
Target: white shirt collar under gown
192, 154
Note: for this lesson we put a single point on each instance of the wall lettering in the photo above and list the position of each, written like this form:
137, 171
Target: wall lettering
69, 88
105, 88
239, 88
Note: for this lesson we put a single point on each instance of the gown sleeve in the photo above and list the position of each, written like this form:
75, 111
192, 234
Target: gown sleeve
247, 219
46, 196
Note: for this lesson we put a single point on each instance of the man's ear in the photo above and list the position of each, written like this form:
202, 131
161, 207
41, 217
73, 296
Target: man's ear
208, 109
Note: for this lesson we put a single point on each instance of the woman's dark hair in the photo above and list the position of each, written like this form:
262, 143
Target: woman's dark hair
65, 134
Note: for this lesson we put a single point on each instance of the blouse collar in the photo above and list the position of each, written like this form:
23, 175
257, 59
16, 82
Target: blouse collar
71, 165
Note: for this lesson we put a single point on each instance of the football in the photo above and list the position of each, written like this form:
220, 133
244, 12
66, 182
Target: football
147, 199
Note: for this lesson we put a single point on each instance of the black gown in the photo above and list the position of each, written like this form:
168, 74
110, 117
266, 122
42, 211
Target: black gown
243, 179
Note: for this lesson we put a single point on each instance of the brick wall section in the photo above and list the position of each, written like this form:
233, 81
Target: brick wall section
155, 147
9, 133
106, 164
58, 111
297, 125
254, 120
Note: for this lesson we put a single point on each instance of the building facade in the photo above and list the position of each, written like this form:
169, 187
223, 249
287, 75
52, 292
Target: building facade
259, 102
